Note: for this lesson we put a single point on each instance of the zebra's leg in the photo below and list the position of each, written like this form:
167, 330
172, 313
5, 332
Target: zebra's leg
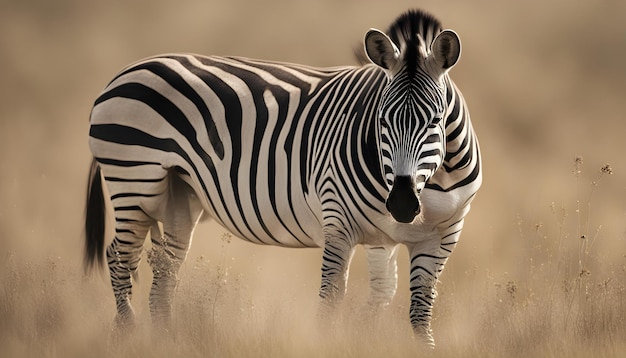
336, 259
123, 257
383, 269
169, 248
425, 267
427, 260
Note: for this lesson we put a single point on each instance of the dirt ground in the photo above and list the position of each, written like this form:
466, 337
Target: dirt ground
541, 266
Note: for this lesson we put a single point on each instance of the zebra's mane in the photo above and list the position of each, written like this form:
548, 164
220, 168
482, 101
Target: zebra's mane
408, 27
413, 32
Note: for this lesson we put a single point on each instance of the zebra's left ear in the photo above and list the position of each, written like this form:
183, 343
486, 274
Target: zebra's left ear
445, 51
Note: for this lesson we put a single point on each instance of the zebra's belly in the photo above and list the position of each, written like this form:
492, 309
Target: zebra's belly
271, 231
262, 210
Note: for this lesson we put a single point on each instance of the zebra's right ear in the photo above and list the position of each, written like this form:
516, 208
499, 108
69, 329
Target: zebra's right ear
380, 49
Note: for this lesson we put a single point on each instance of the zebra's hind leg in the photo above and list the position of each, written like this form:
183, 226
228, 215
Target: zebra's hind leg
123, 257
169, 248
383, 269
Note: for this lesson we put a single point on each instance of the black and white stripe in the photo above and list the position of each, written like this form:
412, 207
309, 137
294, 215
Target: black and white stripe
288, 155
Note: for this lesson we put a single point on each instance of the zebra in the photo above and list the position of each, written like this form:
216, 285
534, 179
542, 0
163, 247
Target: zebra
378, 155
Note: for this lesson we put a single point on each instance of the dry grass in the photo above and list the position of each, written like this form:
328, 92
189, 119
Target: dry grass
49, 313
566, 302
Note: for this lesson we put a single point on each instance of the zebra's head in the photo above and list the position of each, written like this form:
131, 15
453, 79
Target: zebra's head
416, 57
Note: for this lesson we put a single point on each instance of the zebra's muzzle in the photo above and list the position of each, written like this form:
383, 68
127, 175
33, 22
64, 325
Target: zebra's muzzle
402, 202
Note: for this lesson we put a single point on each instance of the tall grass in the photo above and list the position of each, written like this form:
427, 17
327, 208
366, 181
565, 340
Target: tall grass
560, 298
568, 301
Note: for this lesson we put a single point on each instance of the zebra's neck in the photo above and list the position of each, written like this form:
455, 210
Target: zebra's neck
344, 138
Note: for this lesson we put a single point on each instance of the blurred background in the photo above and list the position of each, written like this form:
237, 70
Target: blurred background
545, 82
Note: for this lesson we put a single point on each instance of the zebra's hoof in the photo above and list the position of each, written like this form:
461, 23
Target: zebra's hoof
123, 323
425, 335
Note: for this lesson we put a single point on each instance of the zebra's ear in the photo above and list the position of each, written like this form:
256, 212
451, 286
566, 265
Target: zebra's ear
380, 49
446, 50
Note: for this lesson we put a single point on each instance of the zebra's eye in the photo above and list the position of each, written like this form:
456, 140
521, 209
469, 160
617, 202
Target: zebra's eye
436, 120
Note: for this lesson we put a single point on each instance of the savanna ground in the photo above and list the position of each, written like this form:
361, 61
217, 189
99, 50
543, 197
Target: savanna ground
541, 266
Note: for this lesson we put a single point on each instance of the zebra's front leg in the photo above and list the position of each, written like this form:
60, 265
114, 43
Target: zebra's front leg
383, 269
427, 261
338, 253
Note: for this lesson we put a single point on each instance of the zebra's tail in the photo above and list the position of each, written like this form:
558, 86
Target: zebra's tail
94, 220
